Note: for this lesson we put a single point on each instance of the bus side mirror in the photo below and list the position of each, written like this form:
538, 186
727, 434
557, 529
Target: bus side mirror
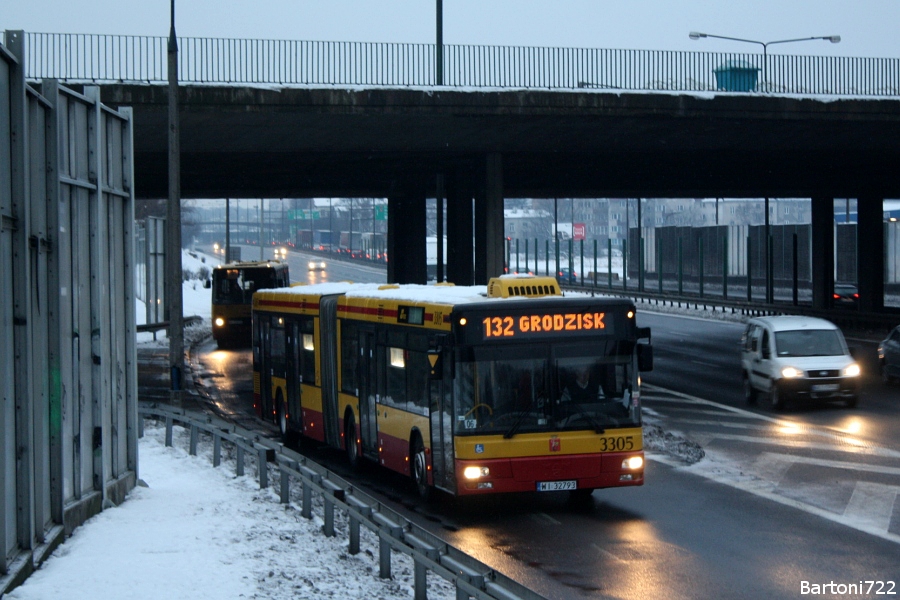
645, 357
207, 284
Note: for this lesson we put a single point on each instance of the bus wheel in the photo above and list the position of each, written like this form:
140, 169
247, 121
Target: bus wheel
351, 444
282, 418
420, 469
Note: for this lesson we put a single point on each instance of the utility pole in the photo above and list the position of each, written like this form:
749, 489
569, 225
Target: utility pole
439, 44
227, 230
173, 220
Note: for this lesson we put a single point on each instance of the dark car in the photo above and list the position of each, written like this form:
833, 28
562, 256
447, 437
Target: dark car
845, 295
567, 276
889, 356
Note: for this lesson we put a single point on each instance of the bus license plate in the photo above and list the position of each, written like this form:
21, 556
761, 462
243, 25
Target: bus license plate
556, 486
826, 387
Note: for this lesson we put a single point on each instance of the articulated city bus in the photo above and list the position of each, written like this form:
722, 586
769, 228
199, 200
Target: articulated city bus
508, 387
233, 285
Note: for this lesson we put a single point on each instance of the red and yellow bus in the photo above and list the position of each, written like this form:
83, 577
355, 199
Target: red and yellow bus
509, 387
233, 285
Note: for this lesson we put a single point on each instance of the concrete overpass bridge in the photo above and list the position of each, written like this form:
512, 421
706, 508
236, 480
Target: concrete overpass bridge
517, 125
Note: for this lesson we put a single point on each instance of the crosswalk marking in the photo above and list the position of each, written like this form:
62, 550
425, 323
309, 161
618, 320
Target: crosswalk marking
872, 504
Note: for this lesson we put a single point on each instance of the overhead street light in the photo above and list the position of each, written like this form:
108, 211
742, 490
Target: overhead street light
696, 35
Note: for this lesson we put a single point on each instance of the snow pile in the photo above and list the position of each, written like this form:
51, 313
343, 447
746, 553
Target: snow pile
656, 439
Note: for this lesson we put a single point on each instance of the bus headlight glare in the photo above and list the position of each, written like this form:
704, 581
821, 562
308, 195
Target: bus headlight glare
633, 463
476, 472
852, 370
220, 322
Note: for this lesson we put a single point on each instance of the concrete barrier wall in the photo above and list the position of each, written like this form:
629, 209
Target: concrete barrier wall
68, 371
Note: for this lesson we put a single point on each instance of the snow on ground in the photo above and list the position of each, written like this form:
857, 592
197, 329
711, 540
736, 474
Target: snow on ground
194, 531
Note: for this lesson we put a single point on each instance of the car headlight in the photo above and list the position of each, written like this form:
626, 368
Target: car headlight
791, 373
851, 371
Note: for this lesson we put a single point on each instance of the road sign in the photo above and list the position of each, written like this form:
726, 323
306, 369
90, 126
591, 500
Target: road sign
578, 231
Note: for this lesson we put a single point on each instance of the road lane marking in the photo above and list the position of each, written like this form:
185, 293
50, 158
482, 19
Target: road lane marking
847, 447
705, 364
785, 423
607, 553
835, 464
545, 518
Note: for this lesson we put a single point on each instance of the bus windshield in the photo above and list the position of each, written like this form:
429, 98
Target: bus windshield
546, 388
236, 286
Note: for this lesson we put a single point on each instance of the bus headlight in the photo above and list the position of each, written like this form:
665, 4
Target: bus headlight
852, 371
220, 322
476, 472
633, 463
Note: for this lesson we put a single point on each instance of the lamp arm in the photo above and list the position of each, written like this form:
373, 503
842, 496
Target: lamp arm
734, 39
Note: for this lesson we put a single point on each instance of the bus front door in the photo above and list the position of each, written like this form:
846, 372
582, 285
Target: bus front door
294, 338
265, 367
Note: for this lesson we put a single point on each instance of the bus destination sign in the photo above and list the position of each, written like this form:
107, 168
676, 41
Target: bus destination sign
535, 326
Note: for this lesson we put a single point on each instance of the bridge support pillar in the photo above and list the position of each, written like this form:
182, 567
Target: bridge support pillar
460, 251
406, 236
823, 252
870, 253
489, 239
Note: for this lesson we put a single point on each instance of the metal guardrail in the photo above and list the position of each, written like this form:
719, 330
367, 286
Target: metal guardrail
845, 318
123, 58
471, 578
188, 321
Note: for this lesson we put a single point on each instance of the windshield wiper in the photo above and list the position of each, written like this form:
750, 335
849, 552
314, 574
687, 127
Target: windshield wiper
598, 428
515, 426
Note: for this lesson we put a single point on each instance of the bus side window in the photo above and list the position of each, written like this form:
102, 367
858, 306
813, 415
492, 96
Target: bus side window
307, 352
418, 373
396, 376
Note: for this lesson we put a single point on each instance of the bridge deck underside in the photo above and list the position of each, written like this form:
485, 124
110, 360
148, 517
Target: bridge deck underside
320, 142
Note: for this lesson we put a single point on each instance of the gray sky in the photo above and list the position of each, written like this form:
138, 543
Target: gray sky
867, 27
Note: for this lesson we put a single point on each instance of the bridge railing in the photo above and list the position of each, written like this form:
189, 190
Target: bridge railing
119, 58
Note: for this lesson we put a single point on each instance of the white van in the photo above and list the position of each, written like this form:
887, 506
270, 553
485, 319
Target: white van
788, 357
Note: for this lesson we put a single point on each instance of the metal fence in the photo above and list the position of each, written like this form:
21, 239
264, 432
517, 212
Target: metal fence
119, 58
304, 483
68, 370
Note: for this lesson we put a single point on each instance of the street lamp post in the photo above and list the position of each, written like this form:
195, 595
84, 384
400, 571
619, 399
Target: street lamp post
439, 43
173, 226
696, 35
